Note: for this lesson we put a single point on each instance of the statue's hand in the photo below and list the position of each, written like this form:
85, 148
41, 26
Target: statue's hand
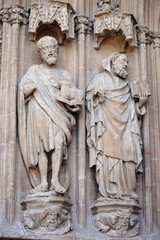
142, 99
99, 95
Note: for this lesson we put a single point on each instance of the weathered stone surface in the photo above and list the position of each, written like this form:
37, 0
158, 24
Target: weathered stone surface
114, 142
51, 12
47, 212
46, 98
138, 35
116, 218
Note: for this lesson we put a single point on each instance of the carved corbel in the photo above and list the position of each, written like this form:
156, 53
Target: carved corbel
57, 16
144, 35
109, 23
15, 14
83, 25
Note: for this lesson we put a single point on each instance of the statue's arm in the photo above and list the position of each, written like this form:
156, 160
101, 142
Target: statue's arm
69, 92
28, 89
95, 94
28, 83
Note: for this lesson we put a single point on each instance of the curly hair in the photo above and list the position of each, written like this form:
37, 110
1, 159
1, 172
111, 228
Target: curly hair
42, 40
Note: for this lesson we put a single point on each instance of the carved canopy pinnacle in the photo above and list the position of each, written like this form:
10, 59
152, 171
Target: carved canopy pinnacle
53, 11
109, 22
15, 14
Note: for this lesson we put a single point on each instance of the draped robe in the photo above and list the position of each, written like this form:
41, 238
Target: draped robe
113, 134
41, 117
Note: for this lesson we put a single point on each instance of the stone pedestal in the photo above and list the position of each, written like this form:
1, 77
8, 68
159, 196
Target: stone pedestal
47, 212
116, 218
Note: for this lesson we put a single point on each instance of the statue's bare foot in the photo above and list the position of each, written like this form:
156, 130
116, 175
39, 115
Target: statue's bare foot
42, 187
57, 187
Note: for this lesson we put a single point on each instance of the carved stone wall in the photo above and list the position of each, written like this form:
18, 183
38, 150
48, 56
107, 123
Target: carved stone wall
82, 48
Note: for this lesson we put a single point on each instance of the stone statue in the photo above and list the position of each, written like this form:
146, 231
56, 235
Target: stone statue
113, 130
114, 139
46, 99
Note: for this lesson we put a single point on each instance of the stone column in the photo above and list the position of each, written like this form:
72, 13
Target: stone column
156, 94
144, 39
81, 28
12, 18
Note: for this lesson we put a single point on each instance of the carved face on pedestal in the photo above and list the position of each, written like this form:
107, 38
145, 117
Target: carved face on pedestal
119, 65
48, 49
52, 221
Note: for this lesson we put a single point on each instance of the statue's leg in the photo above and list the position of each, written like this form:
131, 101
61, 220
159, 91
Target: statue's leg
43, 169
56, 159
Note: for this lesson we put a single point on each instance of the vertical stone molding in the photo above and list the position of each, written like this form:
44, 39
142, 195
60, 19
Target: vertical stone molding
0, 44
82, 24
12, 17
53, 12
145, 39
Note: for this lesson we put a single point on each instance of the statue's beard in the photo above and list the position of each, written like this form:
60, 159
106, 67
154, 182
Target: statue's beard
51, 60
120, 71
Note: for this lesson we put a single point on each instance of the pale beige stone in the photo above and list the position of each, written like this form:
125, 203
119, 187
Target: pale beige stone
46, 100
114, 138
83, 61
45, 121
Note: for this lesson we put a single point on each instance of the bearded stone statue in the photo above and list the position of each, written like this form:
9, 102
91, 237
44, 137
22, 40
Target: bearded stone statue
113, 133
47, 99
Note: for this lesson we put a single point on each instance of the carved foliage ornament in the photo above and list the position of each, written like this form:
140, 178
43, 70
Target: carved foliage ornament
107, 5
144, 35
110, 22
83, 25
53, 11
14, 14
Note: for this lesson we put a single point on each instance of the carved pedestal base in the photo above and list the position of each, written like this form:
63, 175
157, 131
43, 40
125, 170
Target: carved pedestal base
47, 212
116, 218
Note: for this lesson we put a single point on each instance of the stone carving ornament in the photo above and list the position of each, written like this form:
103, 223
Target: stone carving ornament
52, 11
114, 141
15, 14
108, 21
47, 99
107, 5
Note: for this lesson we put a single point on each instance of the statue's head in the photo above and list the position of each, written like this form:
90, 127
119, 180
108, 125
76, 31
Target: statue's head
48, 49
119, 63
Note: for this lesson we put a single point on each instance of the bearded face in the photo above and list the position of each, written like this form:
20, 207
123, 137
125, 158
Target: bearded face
120, 66
49, 52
